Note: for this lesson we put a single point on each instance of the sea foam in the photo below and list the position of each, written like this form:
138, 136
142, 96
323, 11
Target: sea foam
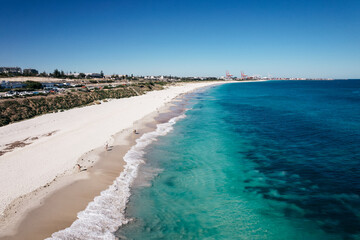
106, 213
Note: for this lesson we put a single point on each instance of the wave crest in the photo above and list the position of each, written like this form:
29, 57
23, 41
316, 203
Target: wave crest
106, 213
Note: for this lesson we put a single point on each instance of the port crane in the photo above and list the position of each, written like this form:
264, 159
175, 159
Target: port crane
228, 75
243, 75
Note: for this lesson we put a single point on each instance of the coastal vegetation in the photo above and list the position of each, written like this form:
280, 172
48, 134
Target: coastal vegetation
60, 74
17, 109
32, 85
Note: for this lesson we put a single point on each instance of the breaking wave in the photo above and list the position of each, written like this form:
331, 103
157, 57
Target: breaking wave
106, 213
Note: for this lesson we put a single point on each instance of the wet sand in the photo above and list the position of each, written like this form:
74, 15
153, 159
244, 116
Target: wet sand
62, 200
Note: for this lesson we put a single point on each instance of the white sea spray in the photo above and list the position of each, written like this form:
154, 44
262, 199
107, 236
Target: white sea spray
106, 213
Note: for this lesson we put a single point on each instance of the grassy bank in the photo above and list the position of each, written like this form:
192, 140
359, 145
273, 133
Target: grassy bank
18, 109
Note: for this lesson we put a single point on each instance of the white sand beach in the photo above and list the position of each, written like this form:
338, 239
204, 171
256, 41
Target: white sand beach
39, 150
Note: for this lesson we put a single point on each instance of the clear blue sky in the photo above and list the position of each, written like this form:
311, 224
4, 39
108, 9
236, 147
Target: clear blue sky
302, 38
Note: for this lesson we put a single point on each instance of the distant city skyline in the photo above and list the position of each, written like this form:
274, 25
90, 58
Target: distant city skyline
310, 39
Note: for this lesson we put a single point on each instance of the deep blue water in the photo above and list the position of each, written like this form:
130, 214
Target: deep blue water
263, 160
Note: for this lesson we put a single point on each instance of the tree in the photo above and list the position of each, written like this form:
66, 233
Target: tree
56, 73
44, 74
82, 75
102, 74
115, 76
33, 85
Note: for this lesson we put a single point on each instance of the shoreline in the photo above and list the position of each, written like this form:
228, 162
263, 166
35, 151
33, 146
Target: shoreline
52, 195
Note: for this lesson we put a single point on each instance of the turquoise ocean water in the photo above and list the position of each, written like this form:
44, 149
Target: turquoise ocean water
263, 160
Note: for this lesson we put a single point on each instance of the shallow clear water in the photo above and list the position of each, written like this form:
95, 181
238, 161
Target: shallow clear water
265, 160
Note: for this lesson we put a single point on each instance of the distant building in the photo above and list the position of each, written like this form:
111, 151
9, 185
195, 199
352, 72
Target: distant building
48, 85
30, 71
7, 84
10, 70
74, 74
94, 75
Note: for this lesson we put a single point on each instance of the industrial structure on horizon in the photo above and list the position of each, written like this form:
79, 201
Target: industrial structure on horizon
229, 76
244, 76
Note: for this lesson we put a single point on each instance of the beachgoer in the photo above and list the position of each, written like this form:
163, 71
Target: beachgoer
79, 166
